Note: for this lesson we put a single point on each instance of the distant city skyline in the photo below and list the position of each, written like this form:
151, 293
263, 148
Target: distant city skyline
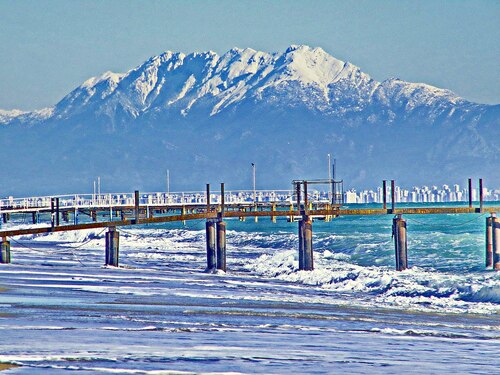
51, 47
421, 194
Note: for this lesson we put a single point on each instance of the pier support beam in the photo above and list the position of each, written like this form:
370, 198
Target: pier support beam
400, 242
112, 247
210, 237
489, 242
221, 246
306, 261
5, 251
496, 243
34, 218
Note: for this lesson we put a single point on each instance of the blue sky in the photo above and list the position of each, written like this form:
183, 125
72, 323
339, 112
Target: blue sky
47, 48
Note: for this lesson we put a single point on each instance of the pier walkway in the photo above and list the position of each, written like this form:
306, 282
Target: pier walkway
302, 204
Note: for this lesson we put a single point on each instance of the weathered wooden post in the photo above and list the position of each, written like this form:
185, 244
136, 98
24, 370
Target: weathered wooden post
489, 241
210, 237
304, 232
393, 195
496, 243
136, 206
384, 194
57, 211
301, 245
470, 192
400, 242
112, 247
480, 195
221, 234
52, 213
5, 251
221, 245
307, 243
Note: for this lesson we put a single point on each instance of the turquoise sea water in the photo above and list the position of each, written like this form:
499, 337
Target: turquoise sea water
61, 311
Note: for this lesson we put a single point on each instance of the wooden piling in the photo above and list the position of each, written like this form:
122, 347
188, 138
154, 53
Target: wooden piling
221, 246
480, 195
112, 247
384, 194
470, 192
489, 242
5, 251
307, 243
57, 211
496, 243
273, 209
393, 195
210, 238
136, 206
400, 242
301, 244
52, 213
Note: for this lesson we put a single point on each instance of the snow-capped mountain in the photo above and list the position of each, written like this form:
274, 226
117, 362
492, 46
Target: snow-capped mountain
207, 116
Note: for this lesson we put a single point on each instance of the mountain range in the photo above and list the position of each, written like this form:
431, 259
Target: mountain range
207, 117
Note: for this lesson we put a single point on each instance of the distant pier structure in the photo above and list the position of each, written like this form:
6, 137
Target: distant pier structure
302, 204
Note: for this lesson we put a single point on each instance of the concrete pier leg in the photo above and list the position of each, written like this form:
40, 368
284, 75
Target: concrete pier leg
400, 242
489, 242
210, 237
5, 251
273, 209
5, 218
34, 218
112, 247
496, 243
221, 246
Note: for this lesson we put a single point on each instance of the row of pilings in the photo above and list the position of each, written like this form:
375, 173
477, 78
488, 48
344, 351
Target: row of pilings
216, 233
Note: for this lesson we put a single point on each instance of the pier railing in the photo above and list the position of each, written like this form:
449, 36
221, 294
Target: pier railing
156, 199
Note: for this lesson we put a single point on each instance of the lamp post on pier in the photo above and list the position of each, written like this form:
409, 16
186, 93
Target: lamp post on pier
254, 191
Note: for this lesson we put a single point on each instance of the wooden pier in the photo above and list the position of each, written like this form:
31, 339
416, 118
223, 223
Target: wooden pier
299, 204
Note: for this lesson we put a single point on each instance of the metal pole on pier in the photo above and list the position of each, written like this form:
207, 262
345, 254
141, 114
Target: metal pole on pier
400, 242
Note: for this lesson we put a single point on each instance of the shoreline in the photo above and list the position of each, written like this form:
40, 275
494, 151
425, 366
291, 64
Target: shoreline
7, 366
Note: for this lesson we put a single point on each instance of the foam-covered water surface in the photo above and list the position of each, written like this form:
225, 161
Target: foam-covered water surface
62, 311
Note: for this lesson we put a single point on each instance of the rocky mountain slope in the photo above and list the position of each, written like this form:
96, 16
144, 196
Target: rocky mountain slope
207, 117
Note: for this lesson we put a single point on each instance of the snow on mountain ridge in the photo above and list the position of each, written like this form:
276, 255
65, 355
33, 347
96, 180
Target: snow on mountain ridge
301, 76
